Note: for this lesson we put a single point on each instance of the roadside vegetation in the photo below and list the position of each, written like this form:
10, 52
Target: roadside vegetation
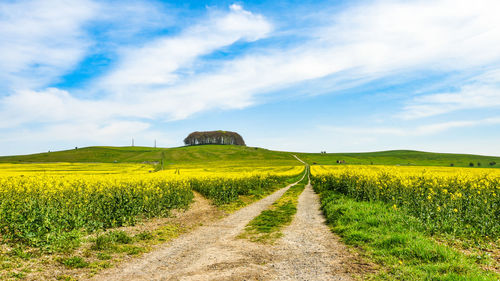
401, 244
462, 202
418, 223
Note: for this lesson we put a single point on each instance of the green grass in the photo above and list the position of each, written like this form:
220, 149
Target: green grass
233, 155
266, 227
190, 156
398, 242
110, 240
74, 262
401, 157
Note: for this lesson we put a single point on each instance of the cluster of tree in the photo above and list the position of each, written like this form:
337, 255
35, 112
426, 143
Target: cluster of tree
214, 137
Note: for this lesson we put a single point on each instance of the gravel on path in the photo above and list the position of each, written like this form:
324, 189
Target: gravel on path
308, 249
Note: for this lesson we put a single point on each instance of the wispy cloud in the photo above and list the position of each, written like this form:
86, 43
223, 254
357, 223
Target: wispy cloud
481, 92
363, 43
161, 80
154, 65
139, 85
419, 130
41, 40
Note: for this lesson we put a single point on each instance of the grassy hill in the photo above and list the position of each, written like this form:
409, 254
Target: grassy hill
248, 156
402, 157
189, 155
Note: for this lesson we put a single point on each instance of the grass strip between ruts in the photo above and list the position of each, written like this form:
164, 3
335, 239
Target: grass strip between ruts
398, 242
266, 227
255, 195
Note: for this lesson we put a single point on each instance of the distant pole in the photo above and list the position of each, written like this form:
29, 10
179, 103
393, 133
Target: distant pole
132, 142
155, 143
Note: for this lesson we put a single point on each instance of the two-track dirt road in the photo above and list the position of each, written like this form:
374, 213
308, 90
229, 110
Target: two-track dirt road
307, 251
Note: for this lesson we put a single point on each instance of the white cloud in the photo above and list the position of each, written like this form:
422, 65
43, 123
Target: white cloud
161, 79
482, 92
53, 106
364, 43
155, 64
41, 40
141, 85
419, 130
446, 34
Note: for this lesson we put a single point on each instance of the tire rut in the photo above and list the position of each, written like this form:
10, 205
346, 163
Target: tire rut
308, 249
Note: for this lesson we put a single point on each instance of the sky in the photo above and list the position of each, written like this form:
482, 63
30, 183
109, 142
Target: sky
305, 76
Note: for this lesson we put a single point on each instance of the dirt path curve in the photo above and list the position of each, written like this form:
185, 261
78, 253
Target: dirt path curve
209, 252
308, 250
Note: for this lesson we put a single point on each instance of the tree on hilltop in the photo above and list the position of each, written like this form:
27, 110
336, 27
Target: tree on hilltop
214, 137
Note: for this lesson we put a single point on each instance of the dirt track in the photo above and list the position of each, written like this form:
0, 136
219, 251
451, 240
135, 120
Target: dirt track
307, 251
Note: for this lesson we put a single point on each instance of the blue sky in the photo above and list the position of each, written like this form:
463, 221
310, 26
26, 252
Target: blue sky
340, 76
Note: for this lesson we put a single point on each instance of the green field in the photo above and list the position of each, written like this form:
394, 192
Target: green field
233, 155
189, 155
402, 158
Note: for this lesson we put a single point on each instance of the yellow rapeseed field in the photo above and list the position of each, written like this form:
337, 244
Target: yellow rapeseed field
40, 203
72, 168
460, 201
